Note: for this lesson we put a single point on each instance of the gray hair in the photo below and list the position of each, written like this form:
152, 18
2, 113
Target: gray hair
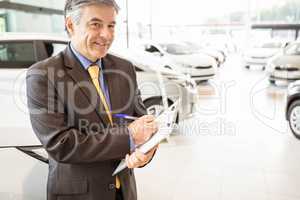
73, 7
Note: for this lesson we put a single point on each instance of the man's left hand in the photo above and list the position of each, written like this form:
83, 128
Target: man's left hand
138, 159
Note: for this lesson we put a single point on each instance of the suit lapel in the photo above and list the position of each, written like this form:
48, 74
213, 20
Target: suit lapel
84, 83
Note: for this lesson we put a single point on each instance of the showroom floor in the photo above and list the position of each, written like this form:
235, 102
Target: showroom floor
237, 145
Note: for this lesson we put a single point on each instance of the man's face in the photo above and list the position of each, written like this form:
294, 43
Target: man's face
94, 34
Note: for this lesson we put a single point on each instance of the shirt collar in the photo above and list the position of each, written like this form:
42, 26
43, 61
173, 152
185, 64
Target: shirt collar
85, 62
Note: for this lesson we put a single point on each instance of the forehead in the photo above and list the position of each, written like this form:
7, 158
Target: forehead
102, 12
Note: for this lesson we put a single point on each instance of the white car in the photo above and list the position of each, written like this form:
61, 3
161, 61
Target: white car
286, 65
179, 57
260, 54
292, 112
215, 53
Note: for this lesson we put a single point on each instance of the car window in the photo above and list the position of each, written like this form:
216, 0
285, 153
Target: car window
177, 49
17, 52
137, 69
293, 49
54, 48
151, 49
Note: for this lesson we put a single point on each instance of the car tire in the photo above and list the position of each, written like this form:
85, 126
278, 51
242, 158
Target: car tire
263, 68
247, 67
294, 118
155, 106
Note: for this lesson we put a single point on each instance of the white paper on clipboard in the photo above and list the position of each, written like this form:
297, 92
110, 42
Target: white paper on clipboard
165, 126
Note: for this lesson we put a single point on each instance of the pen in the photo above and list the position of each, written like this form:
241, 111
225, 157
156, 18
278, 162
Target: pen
124, 116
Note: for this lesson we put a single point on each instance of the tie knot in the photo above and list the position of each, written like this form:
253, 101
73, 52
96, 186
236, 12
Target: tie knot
94, 71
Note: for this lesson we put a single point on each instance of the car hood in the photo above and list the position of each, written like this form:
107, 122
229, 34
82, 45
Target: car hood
148, 62
286, 60
195, 60
261, 52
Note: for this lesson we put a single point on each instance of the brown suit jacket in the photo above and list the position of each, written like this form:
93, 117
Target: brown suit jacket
70, 121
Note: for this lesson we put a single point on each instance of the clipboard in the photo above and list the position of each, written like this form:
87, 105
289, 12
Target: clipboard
165, 123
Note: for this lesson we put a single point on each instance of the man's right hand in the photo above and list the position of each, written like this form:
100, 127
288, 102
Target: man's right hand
142, 129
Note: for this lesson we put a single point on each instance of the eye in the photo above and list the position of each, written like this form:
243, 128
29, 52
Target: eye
111, 26
95, 25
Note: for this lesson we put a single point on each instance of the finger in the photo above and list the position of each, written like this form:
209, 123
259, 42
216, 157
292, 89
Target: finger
152, 126
135, 159
140, 156
131, 161
148, 118
151, 152
127, 161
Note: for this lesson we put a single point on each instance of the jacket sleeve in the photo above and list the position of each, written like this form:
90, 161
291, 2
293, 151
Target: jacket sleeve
139, 107
63, 142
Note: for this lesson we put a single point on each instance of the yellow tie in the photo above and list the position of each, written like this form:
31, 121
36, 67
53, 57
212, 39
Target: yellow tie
94, 73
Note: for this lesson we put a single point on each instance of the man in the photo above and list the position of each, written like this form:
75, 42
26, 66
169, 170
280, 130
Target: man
72, 99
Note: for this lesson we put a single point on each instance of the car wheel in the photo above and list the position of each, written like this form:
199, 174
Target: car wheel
247, 67
155, 106
272, 81
294, 118
263, 68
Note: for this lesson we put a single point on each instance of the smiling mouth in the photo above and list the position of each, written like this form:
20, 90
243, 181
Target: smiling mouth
101, 44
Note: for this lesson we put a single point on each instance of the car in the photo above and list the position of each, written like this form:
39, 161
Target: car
179, 57
293, 108
286, 65
22, 154
215, 53
259, 54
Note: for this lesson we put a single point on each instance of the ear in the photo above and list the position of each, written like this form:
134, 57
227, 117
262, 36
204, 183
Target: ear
69, 25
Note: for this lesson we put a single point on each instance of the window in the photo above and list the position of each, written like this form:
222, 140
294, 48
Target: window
293, 49
54, 48
151, 49
138, 69
16, 54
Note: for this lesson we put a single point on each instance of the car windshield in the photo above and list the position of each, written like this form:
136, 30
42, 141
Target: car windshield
293, 49
177, 49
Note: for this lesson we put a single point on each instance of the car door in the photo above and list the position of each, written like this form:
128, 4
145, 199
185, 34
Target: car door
23, 168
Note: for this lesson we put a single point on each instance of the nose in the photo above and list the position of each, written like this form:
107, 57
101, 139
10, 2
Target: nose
105, 32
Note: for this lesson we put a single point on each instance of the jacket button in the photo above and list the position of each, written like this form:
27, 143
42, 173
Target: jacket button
111, 186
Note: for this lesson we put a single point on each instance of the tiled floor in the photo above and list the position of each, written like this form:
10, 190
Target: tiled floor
241, 150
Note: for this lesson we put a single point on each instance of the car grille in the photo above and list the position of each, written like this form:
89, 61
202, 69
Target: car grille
290, 69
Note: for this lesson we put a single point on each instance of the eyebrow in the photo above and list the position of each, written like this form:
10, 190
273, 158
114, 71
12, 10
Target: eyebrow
95, 19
